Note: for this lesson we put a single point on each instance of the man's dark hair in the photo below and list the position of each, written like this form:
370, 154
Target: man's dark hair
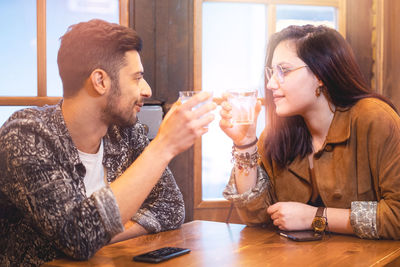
91, 45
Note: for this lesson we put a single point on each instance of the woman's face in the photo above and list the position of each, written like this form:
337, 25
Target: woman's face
294, 92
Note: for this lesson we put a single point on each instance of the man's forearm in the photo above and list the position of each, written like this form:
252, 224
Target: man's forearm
132, 229
143, 174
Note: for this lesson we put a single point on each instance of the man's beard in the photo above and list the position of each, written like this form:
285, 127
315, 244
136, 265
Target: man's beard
112, 114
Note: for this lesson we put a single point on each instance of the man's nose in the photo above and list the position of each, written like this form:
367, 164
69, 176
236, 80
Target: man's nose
145, 89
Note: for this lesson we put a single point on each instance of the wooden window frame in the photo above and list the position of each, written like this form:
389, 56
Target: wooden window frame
218, 209
42, 98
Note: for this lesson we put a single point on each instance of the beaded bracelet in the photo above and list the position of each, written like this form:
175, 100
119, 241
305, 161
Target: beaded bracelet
244, 160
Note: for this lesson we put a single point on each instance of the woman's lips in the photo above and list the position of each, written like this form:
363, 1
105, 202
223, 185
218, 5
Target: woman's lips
278, 97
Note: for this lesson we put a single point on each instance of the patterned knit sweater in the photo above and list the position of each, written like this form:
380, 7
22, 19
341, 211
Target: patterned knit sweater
44, 211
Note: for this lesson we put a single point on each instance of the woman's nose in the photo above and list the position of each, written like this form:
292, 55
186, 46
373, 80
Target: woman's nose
272, 83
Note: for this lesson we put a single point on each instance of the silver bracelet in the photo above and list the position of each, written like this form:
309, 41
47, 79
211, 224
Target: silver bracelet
244, 160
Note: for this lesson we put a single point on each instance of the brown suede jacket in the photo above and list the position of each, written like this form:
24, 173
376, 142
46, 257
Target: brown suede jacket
358, 168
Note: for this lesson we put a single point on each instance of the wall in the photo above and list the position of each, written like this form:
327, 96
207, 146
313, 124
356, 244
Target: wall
166, 27
359, 33
391, 51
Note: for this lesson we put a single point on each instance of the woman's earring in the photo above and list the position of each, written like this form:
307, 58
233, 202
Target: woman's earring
318, 91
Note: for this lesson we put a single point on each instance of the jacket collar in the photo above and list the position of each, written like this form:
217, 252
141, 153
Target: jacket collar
110, 147
112, 141
339, 132
301, 168
64, 136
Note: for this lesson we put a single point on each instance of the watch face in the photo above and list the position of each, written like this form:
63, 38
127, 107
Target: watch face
319, 224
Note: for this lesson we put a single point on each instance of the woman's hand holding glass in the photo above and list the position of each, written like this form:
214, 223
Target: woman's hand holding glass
241, 134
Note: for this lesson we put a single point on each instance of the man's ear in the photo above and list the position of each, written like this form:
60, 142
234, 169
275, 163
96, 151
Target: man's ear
100, 81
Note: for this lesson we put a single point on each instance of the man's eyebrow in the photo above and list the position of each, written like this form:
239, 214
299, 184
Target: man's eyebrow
139, 73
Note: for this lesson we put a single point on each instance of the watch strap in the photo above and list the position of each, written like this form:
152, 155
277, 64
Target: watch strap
320, 212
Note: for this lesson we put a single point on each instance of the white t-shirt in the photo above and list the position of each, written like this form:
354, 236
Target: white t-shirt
95, 172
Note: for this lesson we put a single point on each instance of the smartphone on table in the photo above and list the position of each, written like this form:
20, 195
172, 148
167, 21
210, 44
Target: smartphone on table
161, 254
301, 235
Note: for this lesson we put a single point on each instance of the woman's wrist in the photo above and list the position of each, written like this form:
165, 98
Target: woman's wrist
251, 149
246, 144
245, 160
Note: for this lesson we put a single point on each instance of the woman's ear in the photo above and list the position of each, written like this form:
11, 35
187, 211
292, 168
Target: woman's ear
100, 81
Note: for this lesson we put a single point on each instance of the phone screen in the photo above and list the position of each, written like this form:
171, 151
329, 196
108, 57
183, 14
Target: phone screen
161, 254
301, 235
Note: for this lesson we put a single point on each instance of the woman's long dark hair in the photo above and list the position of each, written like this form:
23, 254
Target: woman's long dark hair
331, 59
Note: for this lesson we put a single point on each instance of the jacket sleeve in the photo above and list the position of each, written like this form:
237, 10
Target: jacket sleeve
251, 205
381, 128
164, 208
363, 219
387, 162
36, 182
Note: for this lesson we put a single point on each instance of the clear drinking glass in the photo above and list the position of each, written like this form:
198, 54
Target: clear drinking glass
185, 95
243, 106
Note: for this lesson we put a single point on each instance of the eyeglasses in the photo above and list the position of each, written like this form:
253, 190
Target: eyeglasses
280, 72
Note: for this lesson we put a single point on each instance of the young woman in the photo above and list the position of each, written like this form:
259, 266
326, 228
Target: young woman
330, 152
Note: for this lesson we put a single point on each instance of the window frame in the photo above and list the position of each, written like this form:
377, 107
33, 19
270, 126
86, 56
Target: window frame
211, 209
41, 98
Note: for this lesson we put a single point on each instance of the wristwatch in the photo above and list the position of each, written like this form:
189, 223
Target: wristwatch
319, 222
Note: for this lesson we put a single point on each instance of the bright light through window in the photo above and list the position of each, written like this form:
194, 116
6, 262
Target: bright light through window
62, 14
234, 37
18, 49
300, 15
7, 111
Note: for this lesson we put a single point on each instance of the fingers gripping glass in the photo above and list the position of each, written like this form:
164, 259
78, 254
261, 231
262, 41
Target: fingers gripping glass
279, 72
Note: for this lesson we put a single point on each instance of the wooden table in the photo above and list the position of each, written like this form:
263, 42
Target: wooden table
220, 244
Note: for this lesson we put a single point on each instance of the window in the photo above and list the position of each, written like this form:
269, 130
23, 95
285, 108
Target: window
233, 52
230, 47
31, 30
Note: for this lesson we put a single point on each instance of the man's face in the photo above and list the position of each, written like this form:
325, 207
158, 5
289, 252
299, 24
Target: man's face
126, 95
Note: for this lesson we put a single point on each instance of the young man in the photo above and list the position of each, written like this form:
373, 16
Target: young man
82, 173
